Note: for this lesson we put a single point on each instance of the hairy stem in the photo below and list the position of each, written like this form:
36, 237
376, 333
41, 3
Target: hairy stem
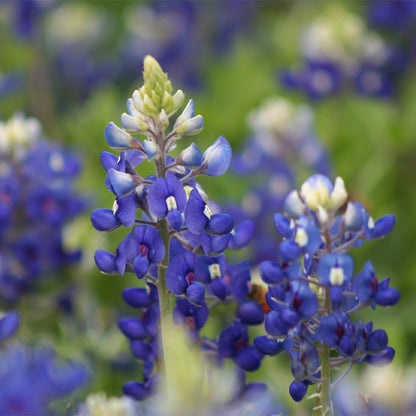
165, 297
165, 305
322, 402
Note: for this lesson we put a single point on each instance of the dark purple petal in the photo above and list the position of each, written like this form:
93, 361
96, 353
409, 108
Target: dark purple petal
250, 313
377, 341
297, 390
382, 359
175, 219
249, 359
271, 272
196, 292
220, 224
282, 225
274, 324
176, 189
195, 219
383, 226
141, 266
289, 251
141, 350
105, 261
104, 220
136, 390
137, 297
126, 209
267, 345
132, 328
219, 288
156, 198
241, 235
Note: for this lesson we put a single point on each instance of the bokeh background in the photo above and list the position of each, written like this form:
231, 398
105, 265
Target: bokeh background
73, 64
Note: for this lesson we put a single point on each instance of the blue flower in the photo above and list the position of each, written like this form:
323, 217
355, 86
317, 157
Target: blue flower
167, 197
233, 343
337, 331
199, 217
31, 379
181, 279
300, 302
369, 290
216, 159
211, 271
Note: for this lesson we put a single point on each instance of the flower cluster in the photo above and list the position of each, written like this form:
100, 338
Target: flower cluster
339, 52
281, 146
313, 292
178, 234
37, 199
32, 378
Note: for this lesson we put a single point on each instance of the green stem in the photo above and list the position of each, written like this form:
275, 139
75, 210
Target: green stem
165, 297
322, 405
165, 305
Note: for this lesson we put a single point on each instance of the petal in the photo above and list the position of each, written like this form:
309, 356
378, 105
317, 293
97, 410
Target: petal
141, 266
241, 235
105, 261
220, 224
132, 328
121, 182
282, 225
136, 390
271, 272
137, 297
156, 198
217, 157
249, 359
383, 226
104, 220
196, 293
250, 313
195, 219
117, 138
267, 345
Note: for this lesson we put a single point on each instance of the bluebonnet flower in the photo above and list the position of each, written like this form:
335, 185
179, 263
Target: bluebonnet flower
311, 307
37, 201
282, 145
233, 343
340, 53
176, 245
369, 290
31, 379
